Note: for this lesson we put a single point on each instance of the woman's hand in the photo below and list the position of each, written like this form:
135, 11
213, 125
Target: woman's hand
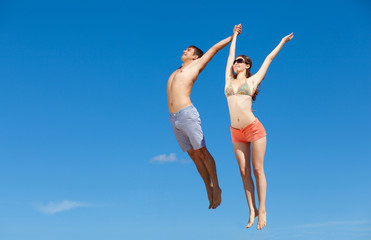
288, 38
238, 29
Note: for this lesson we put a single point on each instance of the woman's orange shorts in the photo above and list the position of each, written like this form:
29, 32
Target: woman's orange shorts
250, 133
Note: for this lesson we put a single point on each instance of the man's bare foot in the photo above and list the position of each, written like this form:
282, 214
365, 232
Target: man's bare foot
253, 215
262, 220
217, 196
210, 195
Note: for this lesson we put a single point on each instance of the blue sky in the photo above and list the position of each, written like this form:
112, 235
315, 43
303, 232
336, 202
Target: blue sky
84, 123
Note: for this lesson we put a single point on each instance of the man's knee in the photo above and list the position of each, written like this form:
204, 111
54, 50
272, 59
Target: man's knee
192, 154
202, 153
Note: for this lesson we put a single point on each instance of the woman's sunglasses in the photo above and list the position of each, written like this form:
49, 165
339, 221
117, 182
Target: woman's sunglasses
240, 60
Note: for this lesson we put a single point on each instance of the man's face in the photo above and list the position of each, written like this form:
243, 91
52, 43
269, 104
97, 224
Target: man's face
188, 54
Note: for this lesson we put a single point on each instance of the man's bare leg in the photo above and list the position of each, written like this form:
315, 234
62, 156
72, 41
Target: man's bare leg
204, 174
209, 163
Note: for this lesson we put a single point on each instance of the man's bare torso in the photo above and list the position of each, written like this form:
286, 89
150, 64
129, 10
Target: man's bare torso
179, 87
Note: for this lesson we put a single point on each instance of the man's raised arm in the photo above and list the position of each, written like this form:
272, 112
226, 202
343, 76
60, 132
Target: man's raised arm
206, 58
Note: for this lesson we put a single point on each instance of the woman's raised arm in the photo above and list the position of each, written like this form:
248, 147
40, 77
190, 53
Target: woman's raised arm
229, 71
259, 76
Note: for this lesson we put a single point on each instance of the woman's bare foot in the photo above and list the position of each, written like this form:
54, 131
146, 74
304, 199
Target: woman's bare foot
217, 196
253, 215
262, 220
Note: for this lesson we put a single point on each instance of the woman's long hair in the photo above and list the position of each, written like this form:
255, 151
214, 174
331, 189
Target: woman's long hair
248, 74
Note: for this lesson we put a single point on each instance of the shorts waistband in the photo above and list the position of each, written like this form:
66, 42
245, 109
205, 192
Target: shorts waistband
249, 125
181, 110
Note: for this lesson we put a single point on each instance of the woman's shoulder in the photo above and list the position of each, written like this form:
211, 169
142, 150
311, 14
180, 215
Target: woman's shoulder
228, 80
252, 80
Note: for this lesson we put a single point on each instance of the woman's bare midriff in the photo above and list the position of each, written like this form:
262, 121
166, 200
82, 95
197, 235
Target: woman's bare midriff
240, 110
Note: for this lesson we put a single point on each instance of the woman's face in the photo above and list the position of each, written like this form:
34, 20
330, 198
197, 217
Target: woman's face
240, 65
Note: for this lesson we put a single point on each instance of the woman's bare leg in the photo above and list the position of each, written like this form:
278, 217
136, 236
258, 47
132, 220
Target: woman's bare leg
242, 152
258, 151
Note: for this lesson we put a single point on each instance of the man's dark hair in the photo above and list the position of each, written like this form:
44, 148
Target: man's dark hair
197, 52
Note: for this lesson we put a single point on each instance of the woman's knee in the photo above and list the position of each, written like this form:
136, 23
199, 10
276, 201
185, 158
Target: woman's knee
258, 171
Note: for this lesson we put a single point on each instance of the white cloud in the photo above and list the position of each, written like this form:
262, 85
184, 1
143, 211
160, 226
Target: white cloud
163, 158
55, 207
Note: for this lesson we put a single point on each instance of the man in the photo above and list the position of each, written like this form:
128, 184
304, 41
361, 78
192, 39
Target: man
185, 119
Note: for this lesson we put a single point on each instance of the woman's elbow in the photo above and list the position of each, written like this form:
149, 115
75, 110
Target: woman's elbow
270, 58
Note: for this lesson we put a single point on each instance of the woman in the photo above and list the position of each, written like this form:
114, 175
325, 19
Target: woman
248, 134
